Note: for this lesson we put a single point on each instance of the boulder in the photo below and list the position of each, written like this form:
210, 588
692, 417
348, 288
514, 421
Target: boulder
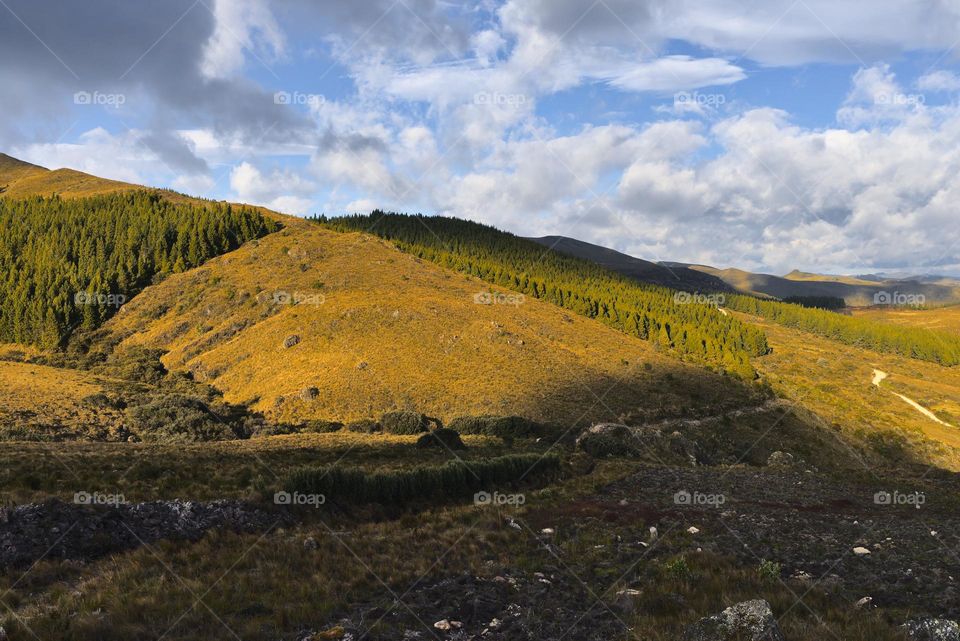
750, 620
780, 459
309, 393
290, 341
932, 630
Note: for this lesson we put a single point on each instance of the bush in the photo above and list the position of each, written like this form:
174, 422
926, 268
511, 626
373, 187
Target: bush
175, 418
405, 422
455, 479
364, 426
321, 427
608, 439
502, 426
443, 437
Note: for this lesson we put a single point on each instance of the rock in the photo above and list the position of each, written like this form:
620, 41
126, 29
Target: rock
445, 625
653, 533
626, 601
780, 459
693, 530
863, 603
750, 620
932, 630
547, 531
861, 551
309, 543
309, 393
608, 439
362, 365
290, 341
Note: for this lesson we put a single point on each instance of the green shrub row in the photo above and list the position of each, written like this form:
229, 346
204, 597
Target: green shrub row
501, 426
455, 479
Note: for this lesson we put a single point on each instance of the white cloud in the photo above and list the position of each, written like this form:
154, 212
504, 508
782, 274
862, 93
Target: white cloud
241, 27
676, 73
282, 190
941, 80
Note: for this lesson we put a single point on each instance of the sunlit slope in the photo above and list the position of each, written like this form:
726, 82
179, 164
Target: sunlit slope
945, 319
375, 329
42, 402
834, 381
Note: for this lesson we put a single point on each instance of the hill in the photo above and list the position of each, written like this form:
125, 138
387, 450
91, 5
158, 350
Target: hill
20, 179
677, 277
945, 319
312, 323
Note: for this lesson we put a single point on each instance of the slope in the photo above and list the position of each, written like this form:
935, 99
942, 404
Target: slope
679, 277
311, 323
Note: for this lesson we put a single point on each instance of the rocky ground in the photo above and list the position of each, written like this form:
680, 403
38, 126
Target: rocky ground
55, 529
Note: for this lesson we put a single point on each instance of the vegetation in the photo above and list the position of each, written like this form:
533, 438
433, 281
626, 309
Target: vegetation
937, 347
66, 264
819, 302
502, 259
454, 479
500, 426
405, 422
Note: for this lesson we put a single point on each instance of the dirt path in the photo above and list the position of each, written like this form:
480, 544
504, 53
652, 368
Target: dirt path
878, 376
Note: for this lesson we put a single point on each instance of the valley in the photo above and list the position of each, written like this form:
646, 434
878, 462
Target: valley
392, 375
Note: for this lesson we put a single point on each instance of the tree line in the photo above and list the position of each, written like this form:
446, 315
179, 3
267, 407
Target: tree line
912, 342
646, 311
70, 263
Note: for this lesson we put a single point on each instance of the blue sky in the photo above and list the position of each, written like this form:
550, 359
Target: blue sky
774, 135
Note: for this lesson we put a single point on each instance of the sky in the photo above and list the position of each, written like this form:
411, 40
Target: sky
821, 135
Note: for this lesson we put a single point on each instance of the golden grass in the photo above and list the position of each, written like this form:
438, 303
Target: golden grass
381, 330
41, 401
945, 319
834, 381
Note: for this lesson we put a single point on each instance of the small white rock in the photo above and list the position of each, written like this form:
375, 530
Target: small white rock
693, 530
861, 551
863, 603
653, 533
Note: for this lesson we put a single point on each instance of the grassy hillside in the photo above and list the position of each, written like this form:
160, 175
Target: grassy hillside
834, 381
942, 319
19, 179
374, 329
691, 329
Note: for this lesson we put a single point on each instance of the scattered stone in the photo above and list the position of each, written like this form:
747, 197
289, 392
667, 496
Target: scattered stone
693, 530
362, 365
290, 341
932, 630
780, 459
310, 543
861, 551
750, 620
863, 603
548, 531
445, 625
309, 393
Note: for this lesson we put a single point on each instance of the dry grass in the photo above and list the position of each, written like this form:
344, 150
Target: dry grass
939, 318
395, 332
40, 402
203, 471
834, 381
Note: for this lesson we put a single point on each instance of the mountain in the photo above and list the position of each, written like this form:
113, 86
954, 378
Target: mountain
665, 274
856, 290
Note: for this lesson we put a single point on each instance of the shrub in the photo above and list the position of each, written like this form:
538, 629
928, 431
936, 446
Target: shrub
769, 571
502, 426
175, 418
364, 426
405, 422
455, 479
443, 437
321, 427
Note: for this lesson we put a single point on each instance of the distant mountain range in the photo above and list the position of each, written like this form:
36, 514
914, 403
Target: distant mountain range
857, 291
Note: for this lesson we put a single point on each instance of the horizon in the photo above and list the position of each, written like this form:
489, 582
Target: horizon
793, 136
